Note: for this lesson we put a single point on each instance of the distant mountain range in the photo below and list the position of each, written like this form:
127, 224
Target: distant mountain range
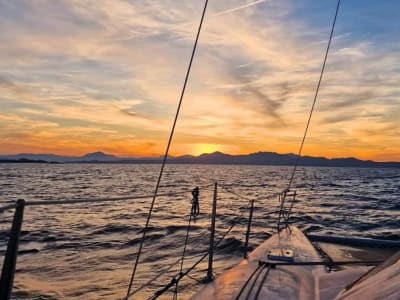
90, 157
258, 158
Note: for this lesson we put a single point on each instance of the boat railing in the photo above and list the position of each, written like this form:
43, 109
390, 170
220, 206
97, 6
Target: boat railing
10, 257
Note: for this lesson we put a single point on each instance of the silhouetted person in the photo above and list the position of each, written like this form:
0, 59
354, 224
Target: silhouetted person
195, 202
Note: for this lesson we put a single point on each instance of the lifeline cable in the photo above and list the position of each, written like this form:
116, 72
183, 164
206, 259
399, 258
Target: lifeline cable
94, 200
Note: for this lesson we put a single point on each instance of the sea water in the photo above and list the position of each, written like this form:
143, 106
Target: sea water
87, 250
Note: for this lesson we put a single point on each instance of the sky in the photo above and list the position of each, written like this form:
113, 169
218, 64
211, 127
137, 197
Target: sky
79, 76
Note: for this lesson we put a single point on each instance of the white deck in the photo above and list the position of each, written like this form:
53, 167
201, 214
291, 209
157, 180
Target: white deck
282, 282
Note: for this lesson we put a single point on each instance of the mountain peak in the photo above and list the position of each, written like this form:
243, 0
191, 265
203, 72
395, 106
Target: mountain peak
98, 156
216, 153
97, 153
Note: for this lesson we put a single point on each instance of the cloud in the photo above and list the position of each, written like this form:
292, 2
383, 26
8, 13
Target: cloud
71, 63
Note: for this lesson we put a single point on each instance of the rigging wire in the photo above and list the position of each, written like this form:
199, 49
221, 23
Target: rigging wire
312, 107
229, 190
183, 256
166, 151
157, 276
180, 275
235, 193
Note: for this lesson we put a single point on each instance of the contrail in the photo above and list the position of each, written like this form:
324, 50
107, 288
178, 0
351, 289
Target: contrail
237, 8
224, 12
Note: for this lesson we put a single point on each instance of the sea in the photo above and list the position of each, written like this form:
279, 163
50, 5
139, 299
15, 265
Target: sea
88, 250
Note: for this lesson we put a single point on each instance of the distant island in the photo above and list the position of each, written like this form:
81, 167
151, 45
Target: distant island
258, 158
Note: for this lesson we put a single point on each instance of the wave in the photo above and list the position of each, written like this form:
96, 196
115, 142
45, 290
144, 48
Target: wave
65, 240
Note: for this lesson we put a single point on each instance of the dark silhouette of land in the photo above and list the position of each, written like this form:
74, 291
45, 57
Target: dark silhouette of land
24, 161
258, 158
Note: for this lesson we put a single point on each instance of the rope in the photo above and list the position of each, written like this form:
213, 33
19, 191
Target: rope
186, 242
183, 256
179, 276
314, 101
159, 275
262, 282
234, 222
247, 282
234, 193
168, 268
166, 151
282, 213
194, 279
290, 210
254, 282
151, 280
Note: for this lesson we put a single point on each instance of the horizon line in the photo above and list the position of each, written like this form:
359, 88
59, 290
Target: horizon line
155, 156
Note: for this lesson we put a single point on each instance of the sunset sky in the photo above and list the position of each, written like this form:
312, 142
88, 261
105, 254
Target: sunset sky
82, 76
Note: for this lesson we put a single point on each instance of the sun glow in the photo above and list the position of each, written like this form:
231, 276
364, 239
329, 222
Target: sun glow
206, 148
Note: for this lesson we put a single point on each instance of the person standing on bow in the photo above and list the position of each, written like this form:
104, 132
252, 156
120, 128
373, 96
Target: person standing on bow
195, 202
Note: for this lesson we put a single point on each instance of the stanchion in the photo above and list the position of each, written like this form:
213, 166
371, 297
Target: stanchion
248, 228
10, 259
210, 276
